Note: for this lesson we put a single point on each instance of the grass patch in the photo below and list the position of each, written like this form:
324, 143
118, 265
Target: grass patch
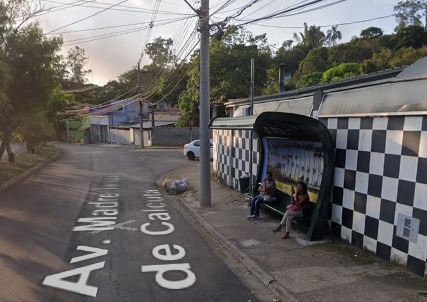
23, 162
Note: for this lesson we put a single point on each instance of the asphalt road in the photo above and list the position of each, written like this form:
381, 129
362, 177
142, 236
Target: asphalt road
50, 251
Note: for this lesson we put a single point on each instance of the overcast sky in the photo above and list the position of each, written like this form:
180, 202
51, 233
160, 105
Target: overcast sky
111, 56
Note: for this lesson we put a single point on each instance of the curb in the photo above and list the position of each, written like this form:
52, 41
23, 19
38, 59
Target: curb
279, 291
29, 172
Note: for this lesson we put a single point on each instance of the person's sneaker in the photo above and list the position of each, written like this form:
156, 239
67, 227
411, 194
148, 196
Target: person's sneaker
251, 217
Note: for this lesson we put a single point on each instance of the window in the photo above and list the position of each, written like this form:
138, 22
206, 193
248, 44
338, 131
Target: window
197, 143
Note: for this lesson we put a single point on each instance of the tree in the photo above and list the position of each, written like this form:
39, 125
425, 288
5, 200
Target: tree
290, 57
332, 35
410, 36
371, 32
310, 79
411, 12
407, 56
58, 103
230, 58
379, 61
316, 60
32, 59
312, 37
287, 45
355, 51
76, 60
160, 52
340, 72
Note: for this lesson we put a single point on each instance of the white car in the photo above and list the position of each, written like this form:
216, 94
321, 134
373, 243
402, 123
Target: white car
192, 150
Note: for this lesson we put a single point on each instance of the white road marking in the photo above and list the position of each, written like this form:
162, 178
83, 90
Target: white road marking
118, 226
106, 242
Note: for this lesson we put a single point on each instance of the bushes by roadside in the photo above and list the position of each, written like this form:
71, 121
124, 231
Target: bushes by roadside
23, 162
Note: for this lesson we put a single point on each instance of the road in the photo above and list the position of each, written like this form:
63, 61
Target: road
92, 227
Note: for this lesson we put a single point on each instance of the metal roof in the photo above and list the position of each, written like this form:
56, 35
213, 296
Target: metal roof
394, 92
416, 71
149, 125
398, 98
238, 123
385, 76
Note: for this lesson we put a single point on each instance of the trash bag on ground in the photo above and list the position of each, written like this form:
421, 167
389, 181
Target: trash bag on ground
178, 186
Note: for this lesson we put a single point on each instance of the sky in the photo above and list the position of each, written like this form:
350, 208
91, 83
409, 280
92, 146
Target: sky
116, 49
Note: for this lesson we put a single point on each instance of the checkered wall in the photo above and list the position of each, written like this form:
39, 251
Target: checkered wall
381, 171
232, 156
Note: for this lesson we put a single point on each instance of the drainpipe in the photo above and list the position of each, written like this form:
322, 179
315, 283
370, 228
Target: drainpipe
282, 78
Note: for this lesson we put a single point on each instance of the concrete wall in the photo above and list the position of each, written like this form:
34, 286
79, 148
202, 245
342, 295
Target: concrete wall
173, 136
137, 137
120, 136
231, 156
99, 134
380, 175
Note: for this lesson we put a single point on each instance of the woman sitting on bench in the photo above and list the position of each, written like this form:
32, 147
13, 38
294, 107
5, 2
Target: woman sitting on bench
300, 200
267, 190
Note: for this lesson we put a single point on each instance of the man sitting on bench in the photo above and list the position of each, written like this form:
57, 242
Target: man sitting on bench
267, 193
300, 202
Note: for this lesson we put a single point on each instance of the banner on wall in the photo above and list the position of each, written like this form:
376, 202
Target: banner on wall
292, 161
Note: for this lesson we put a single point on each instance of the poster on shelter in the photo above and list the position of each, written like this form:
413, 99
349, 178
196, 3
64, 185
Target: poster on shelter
291, 161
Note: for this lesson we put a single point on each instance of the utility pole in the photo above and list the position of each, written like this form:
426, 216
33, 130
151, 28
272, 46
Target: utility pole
205, 159
251, 142
141, 122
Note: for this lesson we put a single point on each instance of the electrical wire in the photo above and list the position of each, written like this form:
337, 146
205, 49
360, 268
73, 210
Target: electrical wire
123, 8
113, 34
289, 11
116, 26
323, 26
86, 18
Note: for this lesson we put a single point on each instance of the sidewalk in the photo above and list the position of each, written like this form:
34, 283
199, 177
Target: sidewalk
333, 271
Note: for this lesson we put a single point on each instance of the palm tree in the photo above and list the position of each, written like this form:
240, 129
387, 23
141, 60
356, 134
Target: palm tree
332, 35
312, 37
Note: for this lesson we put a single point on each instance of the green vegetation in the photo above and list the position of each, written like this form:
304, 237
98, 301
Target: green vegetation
23, 162
313, 57
38, 85
32, 102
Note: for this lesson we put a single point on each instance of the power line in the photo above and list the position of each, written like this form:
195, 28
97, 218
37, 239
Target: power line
63, 6
132, 9
227, 3
285, 12
153, 18
111, 35
115, 26
323, 26
88, 17
179, 36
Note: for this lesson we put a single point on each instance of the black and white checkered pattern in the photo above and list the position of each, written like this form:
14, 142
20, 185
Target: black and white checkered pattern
231, 154
381, 171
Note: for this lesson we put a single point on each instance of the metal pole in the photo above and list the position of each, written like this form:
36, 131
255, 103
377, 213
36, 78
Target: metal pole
251, 143
205, 162
68, 132
141, 122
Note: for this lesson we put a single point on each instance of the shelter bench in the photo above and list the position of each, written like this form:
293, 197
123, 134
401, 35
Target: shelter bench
279, 207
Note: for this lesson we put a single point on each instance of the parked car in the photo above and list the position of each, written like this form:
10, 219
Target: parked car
192, 150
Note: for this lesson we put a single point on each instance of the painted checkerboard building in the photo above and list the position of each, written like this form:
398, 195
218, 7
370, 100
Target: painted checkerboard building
379, 126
